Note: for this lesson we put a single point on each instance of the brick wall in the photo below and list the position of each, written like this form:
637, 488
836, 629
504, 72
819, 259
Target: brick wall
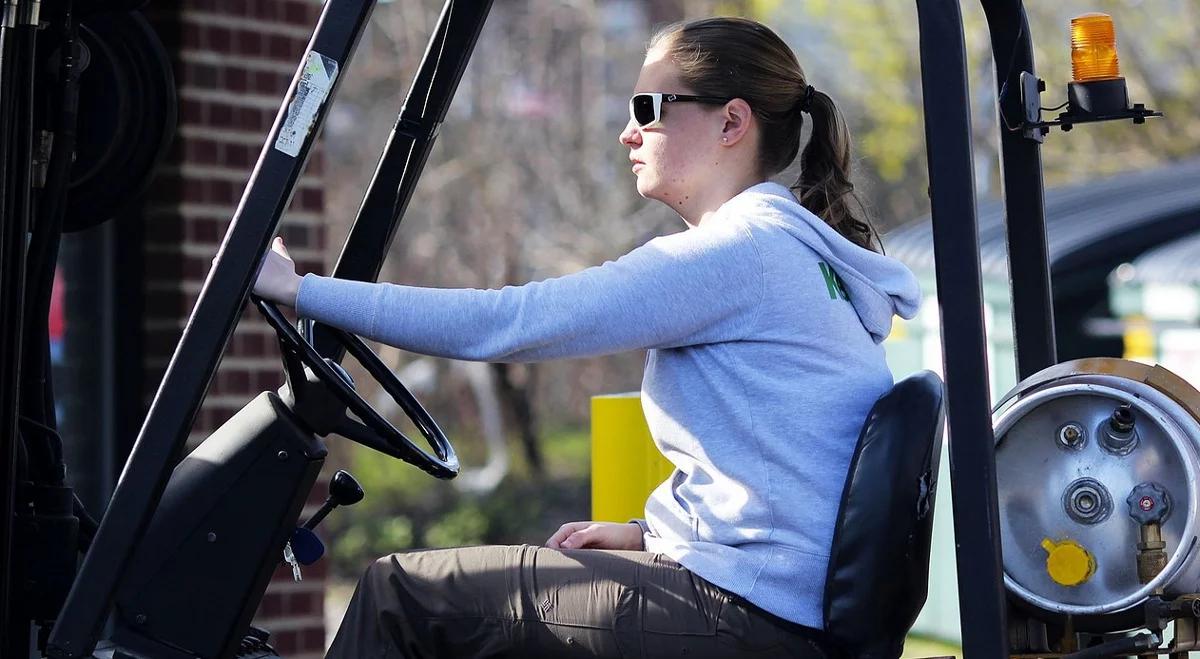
233, 61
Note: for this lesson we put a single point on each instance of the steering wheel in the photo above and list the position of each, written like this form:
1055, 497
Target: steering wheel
374, 431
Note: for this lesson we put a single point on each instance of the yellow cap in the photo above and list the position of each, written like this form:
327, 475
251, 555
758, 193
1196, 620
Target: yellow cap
1067, 562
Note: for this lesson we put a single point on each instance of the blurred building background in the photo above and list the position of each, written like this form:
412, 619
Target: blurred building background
528, 181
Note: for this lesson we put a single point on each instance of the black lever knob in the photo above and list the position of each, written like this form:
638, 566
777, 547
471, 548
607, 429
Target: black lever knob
343, 491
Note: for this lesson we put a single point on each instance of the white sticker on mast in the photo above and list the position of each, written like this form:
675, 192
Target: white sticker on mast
311, 92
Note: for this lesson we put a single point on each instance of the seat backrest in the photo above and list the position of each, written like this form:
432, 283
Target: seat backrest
878, 572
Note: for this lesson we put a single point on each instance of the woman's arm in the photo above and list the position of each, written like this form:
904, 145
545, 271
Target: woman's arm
696, 286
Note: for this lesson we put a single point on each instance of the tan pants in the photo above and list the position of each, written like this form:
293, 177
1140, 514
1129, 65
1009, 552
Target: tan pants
528, 602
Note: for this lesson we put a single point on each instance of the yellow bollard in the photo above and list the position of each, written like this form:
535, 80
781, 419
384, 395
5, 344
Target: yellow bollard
626, 466
1139, 340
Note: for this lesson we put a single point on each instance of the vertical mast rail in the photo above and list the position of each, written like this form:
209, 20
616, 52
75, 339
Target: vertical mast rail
407, 149
1024, 195
960, 293
13, 229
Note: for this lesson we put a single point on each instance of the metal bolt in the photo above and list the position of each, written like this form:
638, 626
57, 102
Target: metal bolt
1070, 435
1087, 501
1117, 435
1146, 504
282, 455
1122, 419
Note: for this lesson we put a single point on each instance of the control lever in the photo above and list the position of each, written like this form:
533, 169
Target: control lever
304, 547
343, 491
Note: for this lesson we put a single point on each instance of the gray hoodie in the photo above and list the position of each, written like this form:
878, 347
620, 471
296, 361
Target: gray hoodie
762, 327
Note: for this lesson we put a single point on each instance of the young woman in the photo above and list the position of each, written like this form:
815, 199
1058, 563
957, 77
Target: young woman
762, 322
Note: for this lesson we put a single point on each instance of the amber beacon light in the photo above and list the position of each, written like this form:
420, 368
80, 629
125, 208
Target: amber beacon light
1097, 87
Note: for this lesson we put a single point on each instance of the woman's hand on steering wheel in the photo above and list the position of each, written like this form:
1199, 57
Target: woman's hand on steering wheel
277, 278
597, 535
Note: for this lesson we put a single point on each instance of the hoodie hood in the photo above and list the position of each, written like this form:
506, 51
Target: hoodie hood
878, 286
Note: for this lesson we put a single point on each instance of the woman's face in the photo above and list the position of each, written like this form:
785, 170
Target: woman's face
672, 160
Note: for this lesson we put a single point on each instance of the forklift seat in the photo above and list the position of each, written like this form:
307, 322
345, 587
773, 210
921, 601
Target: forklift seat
878, 573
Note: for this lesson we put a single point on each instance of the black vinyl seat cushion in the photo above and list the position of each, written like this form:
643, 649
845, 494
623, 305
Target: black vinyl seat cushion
878, 573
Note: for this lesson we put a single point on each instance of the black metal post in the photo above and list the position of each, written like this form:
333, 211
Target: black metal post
407, 149
960, 293
12, 285
18, 206
210, 325
1024, 197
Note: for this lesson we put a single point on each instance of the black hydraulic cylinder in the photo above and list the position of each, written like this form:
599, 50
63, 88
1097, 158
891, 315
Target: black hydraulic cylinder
960, 294
161, 440
407, 149
1024, 196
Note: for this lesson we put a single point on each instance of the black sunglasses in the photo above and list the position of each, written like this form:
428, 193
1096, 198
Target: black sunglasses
646, 108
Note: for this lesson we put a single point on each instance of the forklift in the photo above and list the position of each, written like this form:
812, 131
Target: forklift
182, 557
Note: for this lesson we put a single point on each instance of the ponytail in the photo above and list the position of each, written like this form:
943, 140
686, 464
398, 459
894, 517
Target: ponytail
824, 185
741, 58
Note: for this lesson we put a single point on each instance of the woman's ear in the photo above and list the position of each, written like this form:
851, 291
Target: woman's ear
738, 117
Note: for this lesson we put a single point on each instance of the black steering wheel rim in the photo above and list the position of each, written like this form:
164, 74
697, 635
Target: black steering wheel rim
442, 463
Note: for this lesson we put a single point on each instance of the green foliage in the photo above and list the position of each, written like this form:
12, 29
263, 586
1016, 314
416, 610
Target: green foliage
405, 508
865, 53
465, 525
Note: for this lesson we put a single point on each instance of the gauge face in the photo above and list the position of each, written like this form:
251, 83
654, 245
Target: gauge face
1067, 463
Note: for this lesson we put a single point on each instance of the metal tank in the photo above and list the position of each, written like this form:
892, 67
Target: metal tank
1098, 489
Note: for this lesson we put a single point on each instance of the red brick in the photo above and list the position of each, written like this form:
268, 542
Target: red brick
314, 637
195, 191
280, 47
256, 344
286, 642
238, 155
300, 603
220, 39
245, 119
201, 74
221, 115
200, 150
317, 571
272, 605
206, 230
296, 236
311, 199
296, 13
193, 112
222, 192
236, 80
263, 82
238, 382
267, 380
193, 36
248, 43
